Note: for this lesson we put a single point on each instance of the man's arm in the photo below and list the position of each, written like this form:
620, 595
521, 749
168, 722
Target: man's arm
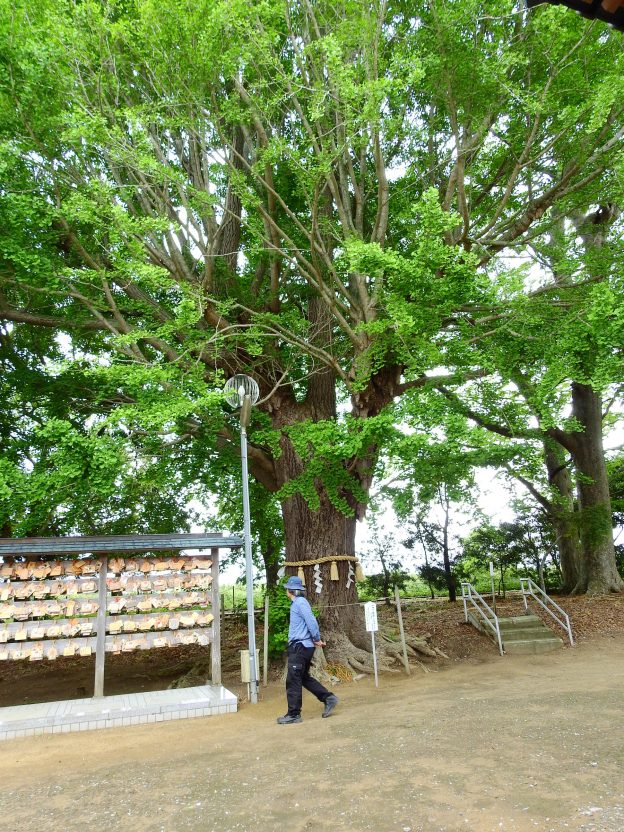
311, 623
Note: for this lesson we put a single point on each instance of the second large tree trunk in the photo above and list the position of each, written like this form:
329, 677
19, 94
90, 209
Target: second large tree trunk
561, 513
598, 572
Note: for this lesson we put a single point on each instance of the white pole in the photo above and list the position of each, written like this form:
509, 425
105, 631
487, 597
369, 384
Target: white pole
374, 658
251, 626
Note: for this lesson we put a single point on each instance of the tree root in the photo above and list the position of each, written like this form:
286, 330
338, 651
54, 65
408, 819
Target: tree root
341, 651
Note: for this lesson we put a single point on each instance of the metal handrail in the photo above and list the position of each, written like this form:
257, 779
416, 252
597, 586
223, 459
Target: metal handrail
529, 587
468, 594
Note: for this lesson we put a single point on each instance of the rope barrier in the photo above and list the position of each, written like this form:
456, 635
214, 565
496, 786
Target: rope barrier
352, 560
326, 559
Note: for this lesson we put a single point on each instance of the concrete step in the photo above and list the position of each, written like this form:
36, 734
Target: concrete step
524, 633
518, 621
533, 646
520, 634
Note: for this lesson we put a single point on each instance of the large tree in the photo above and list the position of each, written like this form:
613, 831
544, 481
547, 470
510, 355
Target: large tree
314, 193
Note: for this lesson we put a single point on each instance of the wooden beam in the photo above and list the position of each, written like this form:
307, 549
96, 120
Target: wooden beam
215, 647
100, 646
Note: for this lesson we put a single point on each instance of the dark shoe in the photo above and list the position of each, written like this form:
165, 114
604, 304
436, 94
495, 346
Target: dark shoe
287, 719
330, 704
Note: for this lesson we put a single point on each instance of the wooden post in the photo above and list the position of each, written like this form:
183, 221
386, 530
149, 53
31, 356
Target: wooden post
401, 630
215, 647
265, 655
100, 644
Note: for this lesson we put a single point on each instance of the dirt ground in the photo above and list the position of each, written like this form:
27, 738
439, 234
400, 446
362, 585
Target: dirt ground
478, 743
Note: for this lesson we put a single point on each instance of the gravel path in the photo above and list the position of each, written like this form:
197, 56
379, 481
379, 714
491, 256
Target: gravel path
512, 744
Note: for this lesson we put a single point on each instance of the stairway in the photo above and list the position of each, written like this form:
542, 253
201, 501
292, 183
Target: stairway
520, 634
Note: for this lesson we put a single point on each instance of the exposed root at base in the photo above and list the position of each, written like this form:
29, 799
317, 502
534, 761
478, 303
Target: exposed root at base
342, 652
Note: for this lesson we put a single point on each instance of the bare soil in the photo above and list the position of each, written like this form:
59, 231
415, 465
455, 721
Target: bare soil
473, 742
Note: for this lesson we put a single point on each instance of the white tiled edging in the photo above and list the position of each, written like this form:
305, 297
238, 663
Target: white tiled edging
115, 711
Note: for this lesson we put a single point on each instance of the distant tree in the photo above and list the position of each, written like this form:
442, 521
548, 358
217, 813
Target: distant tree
527, 542
383, 547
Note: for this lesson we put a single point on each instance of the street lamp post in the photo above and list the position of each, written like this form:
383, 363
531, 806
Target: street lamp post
242, 391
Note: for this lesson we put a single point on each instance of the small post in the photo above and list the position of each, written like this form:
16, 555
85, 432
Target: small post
233, 604
265, 654
374, 658
100, 643
215, 647
370, 613
401, 630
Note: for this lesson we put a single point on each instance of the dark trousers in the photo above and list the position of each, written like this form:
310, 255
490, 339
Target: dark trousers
298, 677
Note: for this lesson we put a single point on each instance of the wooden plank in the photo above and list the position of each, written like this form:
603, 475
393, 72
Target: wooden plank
215, 648
87, 607
35, 547
100, 646
66, 586
77, 567
145, 641
397, 598
75, 624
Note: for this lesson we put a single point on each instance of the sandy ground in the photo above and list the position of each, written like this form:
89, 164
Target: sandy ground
515, 744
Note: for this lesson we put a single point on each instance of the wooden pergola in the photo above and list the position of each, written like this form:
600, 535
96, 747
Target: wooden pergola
101, 547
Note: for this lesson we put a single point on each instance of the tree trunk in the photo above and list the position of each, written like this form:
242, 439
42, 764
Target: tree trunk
450, 578
319, 533
598, 573
271, 565
561, 514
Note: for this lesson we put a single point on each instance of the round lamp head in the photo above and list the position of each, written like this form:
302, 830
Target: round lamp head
239, 386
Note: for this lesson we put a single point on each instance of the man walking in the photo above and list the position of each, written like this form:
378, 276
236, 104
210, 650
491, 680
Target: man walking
303, 636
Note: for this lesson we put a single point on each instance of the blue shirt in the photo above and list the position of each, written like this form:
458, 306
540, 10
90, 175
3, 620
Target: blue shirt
303, 625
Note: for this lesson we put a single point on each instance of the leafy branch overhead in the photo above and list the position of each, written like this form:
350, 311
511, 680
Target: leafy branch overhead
353, 202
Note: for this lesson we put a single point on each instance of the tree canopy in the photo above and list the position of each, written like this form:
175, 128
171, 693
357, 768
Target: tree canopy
328, 196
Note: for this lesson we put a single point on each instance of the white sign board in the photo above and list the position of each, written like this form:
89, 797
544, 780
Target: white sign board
370, 611
492, 568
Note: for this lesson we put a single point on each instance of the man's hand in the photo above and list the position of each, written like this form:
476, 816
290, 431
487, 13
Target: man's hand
320, 643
